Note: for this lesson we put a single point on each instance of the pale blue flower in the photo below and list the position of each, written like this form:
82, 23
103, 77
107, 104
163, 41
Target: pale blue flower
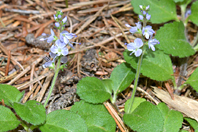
59, 49
57, 24
144, 12
141, 17
147, 31
50, 38
141, 7
151, 43
135, 47
188, 13
148, 17
135, 29
48, 64
55, 17
147, 7
64, 59
59, 16
64, 19
65, 36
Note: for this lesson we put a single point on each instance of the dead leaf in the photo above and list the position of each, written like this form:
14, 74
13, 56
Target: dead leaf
180, 103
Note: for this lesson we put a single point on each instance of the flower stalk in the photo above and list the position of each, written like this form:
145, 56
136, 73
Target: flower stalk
138, 46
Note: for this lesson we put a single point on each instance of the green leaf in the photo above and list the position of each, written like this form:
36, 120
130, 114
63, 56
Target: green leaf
166, 9
108, 85
194, 13
8, 120
193, 123
10, 94
92, 90
183, 131
136, 103
172, 119
193, 80
178, 1
32, 112
145, 118
172, 40
155, 65
63, 121
96, 117
122, 76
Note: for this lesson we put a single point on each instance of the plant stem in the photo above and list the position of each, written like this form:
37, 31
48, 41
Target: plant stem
53, 81
66, 3
136, 83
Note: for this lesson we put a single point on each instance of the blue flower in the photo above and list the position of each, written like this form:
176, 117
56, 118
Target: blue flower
152, 42
135, 29
51, 38
65, 36
50, 63
59, 16
57, 24
148, 17
64, 19
135, 47
147, 7
55, 17
188, 13
141, 17
147, 31
59, 49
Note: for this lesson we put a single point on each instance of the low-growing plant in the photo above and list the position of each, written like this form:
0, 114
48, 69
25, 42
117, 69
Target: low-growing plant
146, 55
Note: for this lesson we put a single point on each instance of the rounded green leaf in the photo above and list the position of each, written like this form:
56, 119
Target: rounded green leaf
122, 76
166, 9
172, 40
8, 120
194, 13
145, 118
172, 119
92, 90
32, 112
9, 94
96, 116
63, 121
136, 103
155, 65
193, 80
193, 123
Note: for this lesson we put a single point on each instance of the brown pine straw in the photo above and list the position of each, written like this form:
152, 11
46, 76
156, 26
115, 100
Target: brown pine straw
115, 116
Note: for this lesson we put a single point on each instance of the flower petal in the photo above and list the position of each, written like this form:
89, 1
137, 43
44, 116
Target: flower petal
138, 52
63, 59
60, 44
64, 51
54, 49
138, 42
131, 46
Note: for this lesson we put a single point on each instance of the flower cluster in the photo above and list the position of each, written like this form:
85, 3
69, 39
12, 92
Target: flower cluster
59, 48
146, 31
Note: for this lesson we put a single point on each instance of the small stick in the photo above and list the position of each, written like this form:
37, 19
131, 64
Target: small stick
24, 86
23, 11
149, 96
45, 86
98, 44
115, 117
8, 63
25, 71
92, 18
